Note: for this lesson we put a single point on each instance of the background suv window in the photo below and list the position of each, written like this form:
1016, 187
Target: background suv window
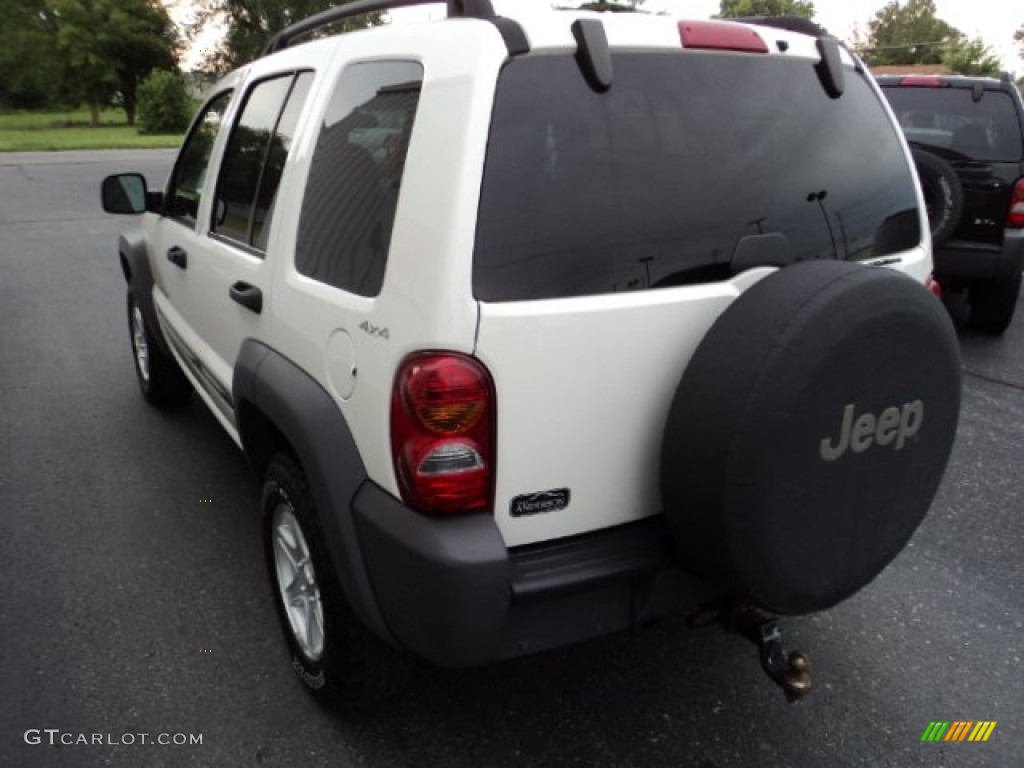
349, 206
189, 176
950, 118
255, 157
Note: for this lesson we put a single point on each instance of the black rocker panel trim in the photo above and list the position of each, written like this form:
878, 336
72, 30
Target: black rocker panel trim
308, 418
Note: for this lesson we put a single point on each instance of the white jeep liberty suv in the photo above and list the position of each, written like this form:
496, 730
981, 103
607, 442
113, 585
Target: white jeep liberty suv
539, 329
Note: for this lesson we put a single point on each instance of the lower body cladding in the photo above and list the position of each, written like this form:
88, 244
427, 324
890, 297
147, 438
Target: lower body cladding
453, 594
987, 275
981, 261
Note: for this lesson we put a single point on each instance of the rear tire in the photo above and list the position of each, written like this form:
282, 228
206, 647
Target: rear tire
333, 654
992, 304
160, 379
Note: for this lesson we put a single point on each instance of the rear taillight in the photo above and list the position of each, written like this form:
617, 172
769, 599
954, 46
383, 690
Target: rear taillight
1015, 216
934, 286
721, 36
443, 434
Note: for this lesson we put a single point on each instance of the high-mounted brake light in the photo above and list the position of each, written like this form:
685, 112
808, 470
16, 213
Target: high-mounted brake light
721, 36
443, 434
922, 81
1015, 216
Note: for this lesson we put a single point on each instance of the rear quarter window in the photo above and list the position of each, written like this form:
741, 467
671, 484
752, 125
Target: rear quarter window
348, 209
692, 167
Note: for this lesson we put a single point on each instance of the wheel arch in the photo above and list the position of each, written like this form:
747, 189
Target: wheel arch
133, 255
279, 407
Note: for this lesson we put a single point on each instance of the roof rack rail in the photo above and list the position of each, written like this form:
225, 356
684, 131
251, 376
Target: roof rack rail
480, 9
788, 23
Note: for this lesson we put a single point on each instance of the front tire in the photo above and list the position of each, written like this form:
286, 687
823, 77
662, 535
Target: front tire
160, 379
333, 654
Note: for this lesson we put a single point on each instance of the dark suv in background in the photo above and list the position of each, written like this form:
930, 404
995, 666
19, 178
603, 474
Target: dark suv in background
967, 137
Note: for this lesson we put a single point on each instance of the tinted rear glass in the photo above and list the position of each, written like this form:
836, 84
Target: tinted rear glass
950, 118
690, 168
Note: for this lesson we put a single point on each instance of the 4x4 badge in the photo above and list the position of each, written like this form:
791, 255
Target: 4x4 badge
540, 502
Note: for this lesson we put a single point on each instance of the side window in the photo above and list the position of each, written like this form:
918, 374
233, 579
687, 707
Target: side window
189, 176
277, 153
255, 156
354, 179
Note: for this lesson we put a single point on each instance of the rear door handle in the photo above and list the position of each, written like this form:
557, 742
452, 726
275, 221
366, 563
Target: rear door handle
249, 296
178, 257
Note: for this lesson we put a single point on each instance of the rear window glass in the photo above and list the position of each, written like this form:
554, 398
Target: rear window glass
950, 118
691, 168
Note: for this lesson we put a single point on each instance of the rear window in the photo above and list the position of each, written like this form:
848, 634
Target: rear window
950, 118
692, 167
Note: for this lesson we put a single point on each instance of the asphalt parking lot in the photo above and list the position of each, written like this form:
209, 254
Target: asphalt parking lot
134, 599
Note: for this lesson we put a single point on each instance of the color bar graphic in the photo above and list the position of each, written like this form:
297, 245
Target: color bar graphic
935, 731
958, 730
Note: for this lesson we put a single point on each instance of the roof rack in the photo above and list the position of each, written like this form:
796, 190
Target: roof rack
788, 23
480, 9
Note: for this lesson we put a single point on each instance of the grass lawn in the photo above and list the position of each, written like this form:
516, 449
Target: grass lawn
31, 131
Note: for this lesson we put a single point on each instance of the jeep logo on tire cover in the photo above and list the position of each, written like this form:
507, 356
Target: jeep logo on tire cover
893, 425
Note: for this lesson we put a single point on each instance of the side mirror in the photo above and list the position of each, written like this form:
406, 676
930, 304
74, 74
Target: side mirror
124, 193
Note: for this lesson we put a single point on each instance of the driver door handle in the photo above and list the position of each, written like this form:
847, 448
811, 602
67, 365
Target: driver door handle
178, 256
249, 296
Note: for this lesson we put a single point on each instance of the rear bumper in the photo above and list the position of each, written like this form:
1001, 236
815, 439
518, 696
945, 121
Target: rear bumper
451, 593
979, 261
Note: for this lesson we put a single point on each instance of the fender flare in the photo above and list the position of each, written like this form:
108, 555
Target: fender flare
134, 257
267, 384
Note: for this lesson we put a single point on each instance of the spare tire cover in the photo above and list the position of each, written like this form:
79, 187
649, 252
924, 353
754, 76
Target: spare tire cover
809, 433
943, 194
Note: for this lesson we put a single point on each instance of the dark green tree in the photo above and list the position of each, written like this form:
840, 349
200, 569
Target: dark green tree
164, 104
110, 45
972, 57
83, 41
31, 71
743, 8
907, 34
148, 41
252, 23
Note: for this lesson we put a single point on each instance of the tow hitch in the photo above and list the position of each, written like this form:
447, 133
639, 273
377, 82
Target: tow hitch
790, 672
